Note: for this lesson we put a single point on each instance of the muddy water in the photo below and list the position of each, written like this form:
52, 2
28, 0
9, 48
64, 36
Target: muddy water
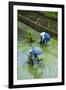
48, 68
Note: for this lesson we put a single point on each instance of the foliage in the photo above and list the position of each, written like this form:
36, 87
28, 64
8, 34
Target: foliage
30, 36
51, 14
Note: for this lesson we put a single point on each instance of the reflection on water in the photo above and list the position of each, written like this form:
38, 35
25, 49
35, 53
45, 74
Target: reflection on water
48, 67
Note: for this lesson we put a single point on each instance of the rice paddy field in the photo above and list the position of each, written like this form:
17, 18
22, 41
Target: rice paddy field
48, 68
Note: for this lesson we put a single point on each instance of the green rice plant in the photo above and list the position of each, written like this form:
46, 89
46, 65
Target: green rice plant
30, 36
41, 57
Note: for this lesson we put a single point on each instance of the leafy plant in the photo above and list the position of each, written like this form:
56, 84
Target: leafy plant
30, 36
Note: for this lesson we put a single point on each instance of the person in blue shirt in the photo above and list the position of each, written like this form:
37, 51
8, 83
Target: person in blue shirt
34, 53
45, 37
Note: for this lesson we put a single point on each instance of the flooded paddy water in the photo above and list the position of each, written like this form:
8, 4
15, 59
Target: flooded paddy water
49, 65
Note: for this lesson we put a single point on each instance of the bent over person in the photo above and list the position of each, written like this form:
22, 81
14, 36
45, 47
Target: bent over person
45, 37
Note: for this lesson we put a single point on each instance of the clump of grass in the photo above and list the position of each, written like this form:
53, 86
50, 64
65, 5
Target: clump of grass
30, 36
41, 57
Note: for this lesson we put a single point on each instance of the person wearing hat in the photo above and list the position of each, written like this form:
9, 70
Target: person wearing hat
34, 53
45, 37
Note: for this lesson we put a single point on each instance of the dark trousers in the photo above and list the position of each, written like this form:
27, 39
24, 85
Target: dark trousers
36, 57
41, 41
44, 41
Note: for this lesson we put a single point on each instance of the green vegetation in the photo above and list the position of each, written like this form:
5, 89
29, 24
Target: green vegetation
41, 57
30, 35
51, 14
